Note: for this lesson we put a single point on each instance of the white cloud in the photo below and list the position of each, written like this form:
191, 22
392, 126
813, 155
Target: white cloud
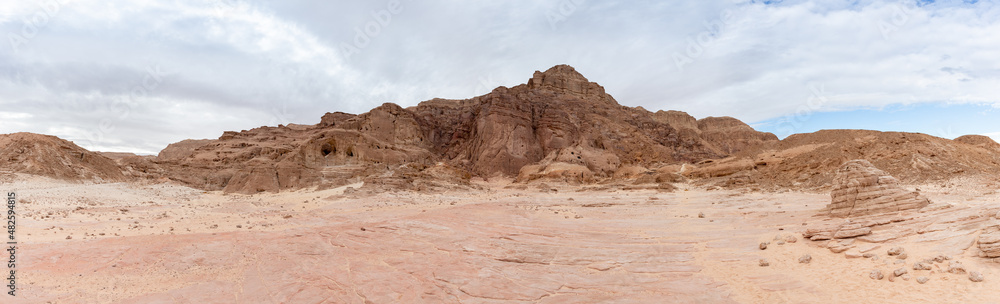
238, 66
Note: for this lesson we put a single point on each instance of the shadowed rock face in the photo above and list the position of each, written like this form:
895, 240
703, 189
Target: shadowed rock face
861, 189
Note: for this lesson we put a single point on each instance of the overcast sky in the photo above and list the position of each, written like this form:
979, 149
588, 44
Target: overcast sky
137, 75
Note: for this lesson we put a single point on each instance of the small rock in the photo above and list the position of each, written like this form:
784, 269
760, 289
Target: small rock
939, 259
922, 280
791, 239
894, 251
900, 272
870, 255
764, 263
763, 246
701, 215
876, 275
956, 267
921, 266
852, 254
902, 256
781, 242
69, 237
905, 277
975, 276
805, 259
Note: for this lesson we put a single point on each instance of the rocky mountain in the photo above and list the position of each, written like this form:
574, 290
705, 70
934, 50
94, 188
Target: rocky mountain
558, 125
54, 157
558, 119
811, 160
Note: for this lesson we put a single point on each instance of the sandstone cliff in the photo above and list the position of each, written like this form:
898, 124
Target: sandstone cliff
558, 122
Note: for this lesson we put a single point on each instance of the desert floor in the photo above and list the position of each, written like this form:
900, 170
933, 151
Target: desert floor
164, 243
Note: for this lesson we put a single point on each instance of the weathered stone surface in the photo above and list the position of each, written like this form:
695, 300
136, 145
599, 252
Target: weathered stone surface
841, 245
876, 274
975, 276
851, 230
900, 272
861, 189
805, 259
989, 242
853, 253
819, 234
956, 267
868, 248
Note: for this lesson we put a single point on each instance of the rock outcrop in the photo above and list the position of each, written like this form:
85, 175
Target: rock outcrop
182, 149
810, 160
558, 126
989, 242
979, 141
861, 189
53, 157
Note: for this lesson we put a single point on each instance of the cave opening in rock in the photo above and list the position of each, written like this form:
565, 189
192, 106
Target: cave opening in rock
328, 149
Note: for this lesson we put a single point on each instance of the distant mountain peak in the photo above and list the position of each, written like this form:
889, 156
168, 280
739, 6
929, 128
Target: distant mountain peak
564, 79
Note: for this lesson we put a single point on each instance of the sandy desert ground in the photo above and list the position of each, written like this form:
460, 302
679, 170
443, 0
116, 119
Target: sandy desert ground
507, 243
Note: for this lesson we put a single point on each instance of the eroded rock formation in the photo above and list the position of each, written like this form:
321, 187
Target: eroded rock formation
54, 157
557, 126
861, 189
989, 242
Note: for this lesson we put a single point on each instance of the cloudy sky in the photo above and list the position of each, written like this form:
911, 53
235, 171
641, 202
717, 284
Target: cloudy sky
137, 75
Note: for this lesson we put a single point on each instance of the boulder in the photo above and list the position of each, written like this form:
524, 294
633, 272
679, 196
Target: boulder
861, 189
989, 242
975, 276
